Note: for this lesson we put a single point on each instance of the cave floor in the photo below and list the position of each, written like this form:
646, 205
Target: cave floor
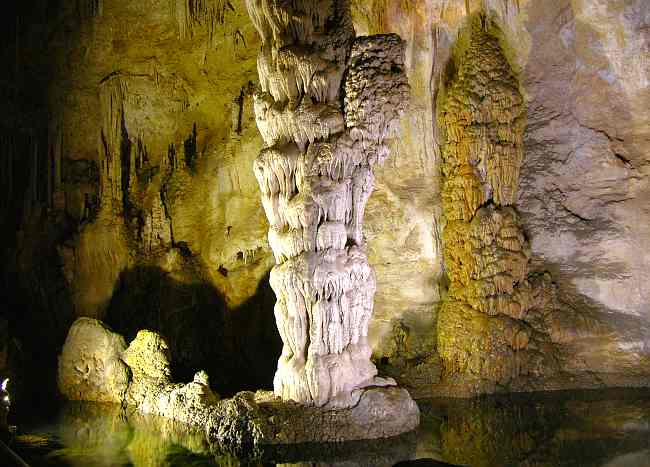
569, 428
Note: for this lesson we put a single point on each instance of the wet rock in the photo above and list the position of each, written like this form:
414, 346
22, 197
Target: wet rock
247, 420
261, 419
152, 390
149, 360
148, 357
90, 365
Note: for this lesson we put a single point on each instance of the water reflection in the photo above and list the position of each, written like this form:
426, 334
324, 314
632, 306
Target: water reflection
605, 429
577, 428
102, 435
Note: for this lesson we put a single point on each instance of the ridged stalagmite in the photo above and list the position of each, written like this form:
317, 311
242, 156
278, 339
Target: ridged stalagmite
315, 177
488, 325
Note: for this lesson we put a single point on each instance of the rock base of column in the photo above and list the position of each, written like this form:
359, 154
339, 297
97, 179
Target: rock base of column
260, 420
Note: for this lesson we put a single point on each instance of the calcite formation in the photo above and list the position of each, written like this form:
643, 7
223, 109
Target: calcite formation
488, 328
316, 175
96, 365
92, 70
90, 365
152, 390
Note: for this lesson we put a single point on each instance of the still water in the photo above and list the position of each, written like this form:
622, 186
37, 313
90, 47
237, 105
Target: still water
590, 428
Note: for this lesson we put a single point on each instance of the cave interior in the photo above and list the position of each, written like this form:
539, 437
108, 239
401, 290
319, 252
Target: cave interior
325, 232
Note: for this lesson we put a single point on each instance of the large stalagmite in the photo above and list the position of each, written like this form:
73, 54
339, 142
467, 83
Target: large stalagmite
492, 327
316, 176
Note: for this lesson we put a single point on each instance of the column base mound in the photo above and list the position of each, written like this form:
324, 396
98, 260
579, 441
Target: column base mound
261, 420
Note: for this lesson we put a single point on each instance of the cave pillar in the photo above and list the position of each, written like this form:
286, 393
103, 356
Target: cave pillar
327, 104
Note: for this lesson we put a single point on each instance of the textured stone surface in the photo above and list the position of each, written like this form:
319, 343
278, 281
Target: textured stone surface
585, 178
262, 419
315, 180
148, 358
90, 364
151, 389
571, 58
491, 327
152, 143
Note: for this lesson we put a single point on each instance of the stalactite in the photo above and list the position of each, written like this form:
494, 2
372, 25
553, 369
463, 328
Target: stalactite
315, 176
486, 323
191, 14
113, 93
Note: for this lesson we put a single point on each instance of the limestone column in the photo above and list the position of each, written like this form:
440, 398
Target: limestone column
327, 104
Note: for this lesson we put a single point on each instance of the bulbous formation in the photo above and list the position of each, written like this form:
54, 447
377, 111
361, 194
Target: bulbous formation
315, 175
90, 365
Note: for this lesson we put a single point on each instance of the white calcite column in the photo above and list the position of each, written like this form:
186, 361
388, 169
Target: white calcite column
327, 105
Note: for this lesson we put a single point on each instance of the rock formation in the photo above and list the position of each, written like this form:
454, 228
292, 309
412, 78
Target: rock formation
245, 424
316, 175
90, 364
152, 390
488, 326
96, 365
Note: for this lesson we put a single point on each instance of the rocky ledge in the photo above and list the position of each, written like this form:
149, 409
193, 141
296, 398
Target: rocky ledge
261, 419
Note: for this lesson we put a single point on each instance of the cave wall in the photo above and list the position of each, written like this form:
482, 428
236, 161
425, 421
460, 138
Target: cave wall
583, 71
142, 208
128, 190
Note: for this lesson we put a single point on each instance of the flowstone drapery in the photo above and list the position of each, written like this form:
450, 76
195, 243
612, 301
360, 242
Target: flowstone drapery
315, 175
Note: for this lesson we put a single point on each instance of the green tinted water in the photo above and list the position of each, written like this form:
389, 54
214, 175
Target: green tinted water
609, 429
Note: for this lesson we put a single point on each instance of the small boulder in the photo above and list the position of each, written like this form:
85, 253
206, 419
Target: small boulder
90, 364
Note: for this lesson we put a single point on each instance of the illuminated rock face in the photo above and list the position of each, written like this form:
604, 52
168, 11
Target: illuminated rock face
151, 389
491, 325
316, 176
90, 364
